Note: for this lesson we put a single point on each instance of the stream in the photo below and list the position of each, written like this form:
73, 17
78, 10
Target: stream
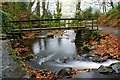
59, 52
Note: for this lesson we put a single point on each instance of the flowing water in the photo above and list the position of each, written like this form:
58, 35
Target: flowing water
59, 52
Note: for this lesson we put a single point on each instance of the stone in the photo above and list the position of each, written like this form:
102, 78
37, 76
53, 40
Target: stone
50, 35
64, 60
98, 59
65, 72
105, 69
116, 67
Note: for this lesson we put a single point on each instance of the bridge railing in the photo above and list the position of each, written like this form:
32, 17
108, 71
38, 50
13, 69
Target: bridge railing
49, 24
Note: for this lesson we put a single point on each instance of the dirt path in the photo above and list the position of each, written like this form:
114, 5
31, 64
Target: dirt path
112, 30
9, 67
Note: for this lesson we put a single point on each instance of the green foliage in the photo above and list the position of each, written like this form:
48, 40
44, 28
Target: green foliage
11, 52
6, 26
91, 35
26, 26
111, 11
118, 7
58, 9
114, 13
30, 56
97, 14
53, 24
95, 33
49, 14
87, 14
78, 11
108, 43
62, 23
22, 5
99, 41
78, 14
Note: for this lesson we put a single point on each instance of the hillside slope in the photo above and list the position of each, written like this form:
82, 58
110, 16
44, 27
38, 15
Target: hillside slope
111, 18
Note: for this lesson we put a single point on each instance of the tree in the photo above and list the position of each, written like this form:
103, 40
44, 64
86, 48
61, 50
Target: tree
43, 7
87, 14
30, 4
46, 11
111, 2
38, 8
104, 6
78, 10
96, 14
58, 9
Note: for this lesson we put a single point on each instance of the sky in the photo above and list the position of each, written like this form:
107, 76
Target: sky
69, 6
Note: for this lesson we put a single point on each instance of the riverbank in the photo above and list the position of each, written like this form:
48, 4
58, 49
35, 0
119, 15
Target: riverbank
10, 68
54, 49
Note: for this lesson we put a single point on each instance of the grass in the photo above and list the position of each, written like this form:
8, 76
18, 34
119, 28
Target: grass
12, 52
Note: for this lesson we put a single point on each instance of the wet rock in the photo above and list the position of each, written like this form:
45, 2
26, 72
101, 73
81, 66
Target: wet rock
105, 69
66, 59
73, 40
98, 59
116, 67
41, 37
57, 60
66, 34
65, 72
50, 35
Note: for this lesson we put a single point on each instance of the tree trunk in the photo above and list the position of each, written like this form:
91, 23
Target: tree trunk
43, 7
111, 2
78, 9
38, 8
30, 5
104, 6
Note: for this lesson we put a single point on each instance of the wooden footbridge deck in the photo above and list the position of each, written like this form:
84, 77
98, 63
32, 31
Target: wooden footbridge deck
54, 24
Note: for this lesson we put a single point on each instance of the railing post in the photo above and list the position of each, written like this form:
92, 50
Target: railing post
59, 24
30, 26
39, 25
20, 29
92, 23
50, 25
80, 23
97, 23
85, 22
68, 23
65, 23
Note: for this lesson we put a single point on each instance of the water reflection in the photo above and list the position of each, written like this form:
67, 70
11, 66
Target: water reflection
61, 46
39, 45
59, 41
56, 53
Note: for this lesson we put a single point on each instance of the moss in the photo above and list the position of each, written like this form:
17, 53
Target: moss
30, 56
12, 52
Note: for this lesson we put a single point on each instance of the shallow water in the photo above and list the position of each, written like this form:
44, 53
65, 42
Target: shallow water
51, 53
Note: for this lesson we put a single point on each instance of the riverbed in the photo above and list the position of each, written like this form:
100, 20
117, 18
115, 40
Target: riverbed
59, 52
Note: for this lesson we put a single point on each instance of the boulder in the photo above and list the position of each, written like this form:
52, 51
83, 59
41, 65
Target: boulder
116, 67
105, 69
66, 59
65, 72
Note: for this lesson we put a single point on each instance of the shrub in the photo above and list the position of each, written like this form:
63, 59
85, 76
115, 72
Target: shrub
6, 26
